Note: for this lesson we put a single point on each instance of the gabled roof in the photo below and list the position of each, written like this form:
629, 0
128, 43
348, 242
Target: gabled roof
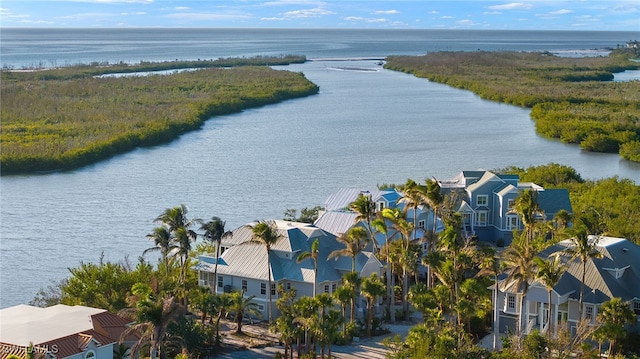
487, 178
620, 257
336, 223
341, 200
249, 259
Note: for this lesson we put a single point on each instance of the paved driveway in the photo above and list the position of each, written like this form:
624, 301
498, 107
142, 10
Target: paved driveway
369, 348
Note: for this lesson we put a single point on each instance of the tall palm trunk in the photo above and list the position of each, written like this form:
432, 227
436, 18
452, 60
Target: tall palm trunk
269, 280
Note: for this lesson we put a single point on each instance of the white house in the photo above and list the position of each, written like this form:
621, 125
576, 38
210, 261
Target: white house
243, 265
60, 331
617, 274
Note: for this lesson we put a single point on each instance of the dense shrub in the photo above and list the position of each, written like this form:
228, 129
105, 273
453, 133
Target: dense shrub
572, 99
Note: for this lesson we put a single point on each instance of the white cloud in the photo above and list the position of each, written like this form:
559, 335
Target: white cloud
492, 13
511, 6
353, 18
561, 12
377, 20
433, 12
465, 23
387, 12
117, 1
208, 16
294, 2
88, 15
306, 13
272, 19
446, 17
133, 13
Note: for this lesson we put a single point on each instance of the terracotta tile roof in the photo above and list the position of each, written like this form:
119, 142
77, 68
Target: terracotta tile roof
76, 343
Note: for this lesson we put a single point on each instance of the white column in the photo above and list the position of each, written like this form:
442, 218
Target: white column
554, 320
541, 315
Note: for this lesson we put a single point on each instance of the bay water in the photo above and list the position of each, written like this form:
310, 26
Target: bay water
365, 127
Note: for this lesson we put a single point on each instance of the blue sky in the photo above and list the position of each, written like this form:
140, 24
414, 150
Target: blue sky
613, 15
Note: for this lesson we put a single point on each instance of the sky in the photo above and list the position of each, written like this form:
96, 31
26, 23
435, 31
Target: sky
601, 15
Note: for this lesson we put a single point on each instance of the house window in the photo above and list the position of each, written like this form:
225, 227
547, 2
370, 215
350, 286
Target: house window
511, 303
482, 200
511, 203
263, 288
513, 221
244, 285
588, 312
421, 224
273, 289
220, 281
466, 218
380, 206
90, 354
333, 288
288, 286
481, 218
326, 288
261, 307
636, 308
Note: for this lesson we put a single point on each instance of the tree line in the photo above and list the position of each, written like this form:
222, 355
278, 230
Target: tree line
571, 99
69, 121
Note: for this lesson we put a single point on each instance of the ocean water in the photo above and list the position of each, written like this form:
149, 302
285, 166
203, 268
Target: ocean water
366, 126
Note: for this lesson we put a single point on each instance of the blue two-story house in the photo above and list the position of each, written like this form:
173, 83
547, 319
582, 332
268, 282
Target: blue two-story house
486, 202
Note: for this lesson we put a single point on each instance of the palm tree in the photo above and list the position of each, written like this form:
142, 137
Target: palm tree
355, 241
413, 195
583, 248
380, 225
242, 307
404, 228
518, 258
344, 295
366, 209
152, 318
162, 242
352, 281
266, 233
220, 305
372, 287
313, 254
549, 273
176, 222
214, 232
491, 266
526, 205
614, 314
434, 200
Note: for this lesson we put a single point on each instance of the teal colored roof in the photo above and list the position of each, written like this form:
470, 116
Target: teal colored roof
553, 200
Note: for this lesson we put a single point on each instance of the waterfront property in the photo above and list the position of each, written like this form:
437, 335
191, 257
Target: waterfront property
242, 265
615, 275
486, 203
60, 331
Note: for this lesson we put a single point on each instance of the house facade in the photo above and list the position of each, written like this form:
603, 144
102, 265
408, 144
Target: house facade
243, 264
60, 331
615, 275
486, 202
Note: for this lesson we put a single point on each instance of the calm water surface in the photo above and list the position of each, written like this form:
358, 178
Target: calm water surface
364, 128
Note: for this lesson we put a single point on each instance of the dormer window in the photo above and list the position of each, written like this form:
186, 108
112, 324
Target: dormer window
616, 272
380, 205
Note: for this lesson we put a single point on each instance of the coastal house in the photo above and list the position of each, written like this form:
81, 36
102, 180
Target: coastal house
615, 275
338, 218
60, 331
486, 202
243, 265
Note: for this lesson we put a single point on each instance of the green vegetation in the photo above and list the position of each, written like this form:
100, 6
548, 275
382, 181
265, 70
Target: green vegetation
455, 304
571, 99
64, 119
609, 206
